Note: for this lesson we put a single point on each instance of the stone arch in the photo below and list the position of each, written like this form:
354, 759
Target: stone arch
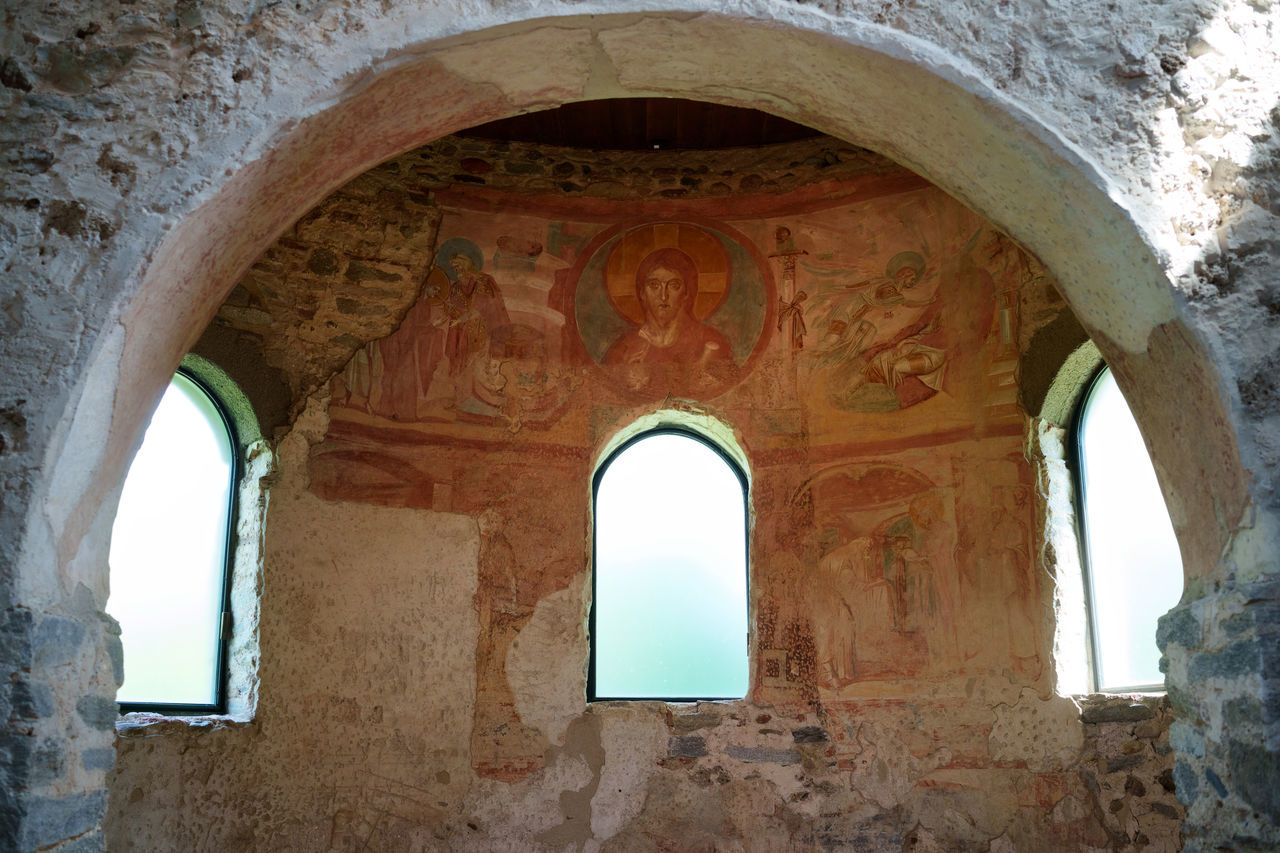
961, 134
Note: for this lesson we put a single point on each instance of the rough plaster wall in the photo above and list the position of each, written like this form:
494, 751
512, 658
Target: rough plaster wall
368, 667
371, 623
120, 119
957, 753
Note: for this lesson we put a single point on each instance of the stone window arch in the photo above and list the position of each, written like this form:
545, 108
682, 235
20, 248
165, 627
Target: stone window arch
1084, 652
185, 558
670, 580
1132, 570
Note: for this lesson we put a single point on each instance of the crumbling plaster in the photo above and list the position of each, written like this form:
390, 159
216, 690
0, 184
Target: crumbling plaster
156, 151
841, 744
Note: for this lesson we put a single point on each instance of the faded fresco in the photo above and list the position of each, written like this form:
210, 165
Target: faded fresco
863, 352
876, 320
877, 351
465, 351
861, 565
671, 308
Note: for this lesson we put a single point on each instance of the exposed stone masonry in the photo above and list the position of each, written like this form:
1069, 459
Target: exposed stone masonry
638, 176
122, 122
343, 275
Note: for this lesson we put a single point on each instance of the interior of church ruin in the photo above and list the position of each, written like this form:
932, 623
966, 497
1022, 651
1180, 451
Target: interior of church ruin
440, 267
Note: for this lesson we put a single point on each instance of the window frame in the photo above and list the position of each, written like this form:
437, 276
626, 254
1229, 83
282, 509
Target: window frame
743, 482
1077, 463
222, 663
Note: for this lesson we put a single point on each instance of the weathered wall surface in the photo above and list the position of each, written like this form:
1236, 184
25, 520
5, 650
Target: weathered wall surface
152, 152
370, 664
427, 567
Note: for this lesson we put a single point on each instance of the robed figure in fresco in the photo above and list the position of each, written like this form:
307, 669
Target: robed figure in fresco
430, 362
671, 346
472, 311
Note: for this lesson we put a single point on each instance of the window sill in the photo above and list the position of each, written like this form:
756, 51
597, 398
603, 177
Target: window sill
143, 724
679, 706
1121, 707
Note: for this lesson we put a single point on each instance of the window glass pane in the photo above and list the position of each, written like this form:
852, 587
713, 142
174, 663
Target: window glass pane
671, 573
1135, 568
168, 552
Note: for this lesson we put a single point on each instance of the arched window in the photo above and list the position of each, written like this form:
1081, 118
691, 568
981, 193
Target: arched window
669, 613
169, 556
1132, 566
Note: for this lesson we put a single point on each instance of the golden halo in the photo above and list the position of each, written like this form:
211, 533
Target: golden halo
707, 252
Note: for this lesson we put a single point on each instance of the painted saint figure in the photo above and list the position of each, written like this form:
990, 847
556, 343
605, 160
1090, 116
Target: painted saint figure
428, 365
671, 347
882, 337
473, 311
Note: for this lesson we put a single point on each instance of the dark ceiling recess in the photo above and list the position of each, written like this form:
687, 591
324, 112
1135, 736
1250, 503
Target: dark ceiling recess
635, 124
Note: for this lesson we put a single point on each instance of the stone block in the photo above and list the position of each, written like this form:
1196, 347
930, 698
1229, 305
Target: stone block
15, 635
1241, 713
1255, 772
688, 746
757, 755
685, 723
809, 734
1240, 658
27, 700
1149, 729
50, 820
98, 712
1215, 781
1187, 786
1117, 712
1179, 626
1126, 762
57, 641
115, 651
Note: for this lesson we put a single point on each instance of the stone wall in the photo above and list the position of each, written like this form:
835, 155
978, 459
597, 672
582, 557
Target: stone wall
153, 152
426, 569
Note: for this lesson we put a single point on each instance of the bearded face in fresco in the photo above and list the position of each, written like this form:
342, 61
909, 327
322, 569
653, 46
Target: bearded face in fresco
671, 347
664, 295
666, 286
671, 307
463, 266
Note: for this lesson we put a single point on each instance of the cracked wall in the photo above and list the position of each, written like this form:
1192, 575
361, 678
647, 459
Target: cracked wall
154, 151
427, 555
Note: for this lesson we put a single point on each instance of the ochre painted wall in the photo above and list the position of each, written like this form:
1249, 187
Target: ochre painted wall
426, 580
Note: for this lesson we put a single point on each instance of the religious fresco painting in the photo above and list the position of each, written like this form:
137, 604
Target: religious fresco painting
845, 318
671, 308
872, 301
891, 501
857, 579
464, 351
876, 348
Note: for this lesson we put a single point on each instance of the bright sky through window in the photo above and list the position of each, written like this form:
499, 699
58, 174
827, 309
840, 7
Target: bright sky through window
168, 552
1135, 567
671, 574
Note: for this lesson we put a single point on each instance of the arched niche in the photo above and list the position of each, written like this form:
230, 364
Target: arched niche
872, 86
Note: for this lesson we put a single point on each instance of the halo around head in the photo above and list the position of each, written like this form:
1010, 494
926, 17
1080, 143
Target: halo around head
458, 246
905, 260
700, 245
